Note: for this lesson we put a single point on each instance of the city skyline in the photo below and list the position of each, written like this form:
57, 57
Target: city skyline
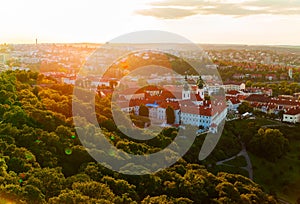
252, 22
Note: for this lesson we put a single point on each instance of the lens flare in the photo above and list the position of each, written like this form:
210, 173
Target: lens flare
68, 151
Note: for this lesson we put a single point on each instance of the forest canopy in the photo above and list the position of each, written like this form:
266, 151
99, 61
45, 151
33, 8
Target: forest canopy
43, 161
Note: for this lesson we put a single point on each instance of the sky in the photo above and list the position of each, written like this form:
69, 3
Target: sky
263, 22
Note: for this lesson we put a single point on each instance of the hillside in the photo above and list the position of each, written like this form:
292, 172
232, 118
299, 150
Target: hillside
43, 161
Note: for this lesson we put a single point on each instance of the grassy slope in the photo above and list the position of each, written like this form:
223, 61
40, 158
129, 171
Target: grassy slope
239, 161
283, 176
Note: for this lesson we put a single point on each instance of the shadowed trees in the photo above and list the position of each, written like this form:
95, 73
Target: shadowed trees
170, 115
269, 143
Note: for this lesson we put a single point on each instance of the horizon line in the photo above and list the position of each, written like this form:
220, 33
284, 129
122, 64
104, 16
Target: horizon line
136, 43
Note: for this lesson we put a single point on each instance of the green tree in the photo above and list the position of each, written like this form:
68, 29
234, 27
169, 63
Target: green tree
69, 197
249, 83
33, 195
269, 143
94, 189
280, 114
143, 110
245, 107
170, 115
165, 199
120, 187
49, 181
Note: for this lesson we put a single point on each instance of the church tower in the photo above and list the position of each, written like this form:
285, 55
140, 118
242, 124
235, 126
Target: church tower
200, 87
186, 92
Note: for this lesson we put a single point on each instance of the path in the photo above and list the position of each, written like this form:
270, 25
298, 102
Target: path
283, 201
243, 153
248, 168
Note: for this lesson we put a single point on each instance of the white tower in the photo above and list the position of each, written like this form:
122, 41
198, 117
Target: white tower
291, 73
200, 87
200, 92
186, 93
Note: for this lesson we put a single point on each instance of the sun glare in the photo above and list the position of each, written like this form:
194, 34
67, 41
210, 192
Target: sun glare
96, 21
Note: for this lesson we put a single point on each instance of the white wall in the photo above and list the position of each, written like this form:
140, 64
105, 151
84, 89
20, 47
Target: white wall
291, 118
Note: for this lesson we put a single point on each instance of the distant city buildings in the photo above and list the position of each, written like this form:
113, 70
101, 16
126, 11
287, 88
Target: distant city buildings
2, 58
3, 66
191, 105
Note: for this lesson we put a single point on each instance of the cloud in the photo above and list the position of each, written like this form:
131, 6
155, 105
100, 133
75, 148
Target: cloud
174, 9
167, 13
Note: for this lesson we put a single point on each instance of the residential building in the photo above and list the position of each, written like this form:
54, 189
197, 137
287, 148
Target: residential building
234, 86
292, 115
232, 103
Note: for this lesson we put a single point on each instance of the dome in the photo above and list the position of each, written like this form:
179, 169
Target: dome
200, 83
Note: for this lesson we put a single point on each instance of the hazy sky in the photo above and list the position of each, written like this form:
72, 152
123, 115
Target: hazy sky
202, 21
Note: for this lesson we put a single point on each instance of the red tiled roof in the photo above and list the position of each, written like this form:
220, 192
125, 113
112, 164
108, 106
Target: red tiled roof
241, 97
152, 88
232, 92
194, 87
167, 94
177, 94
197, 110
174, 105
286, 102
186, 103
203, 110
258, 98
131, 91
196, 97
156, 98
234, 100
271, 106
138, 102
293, 111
